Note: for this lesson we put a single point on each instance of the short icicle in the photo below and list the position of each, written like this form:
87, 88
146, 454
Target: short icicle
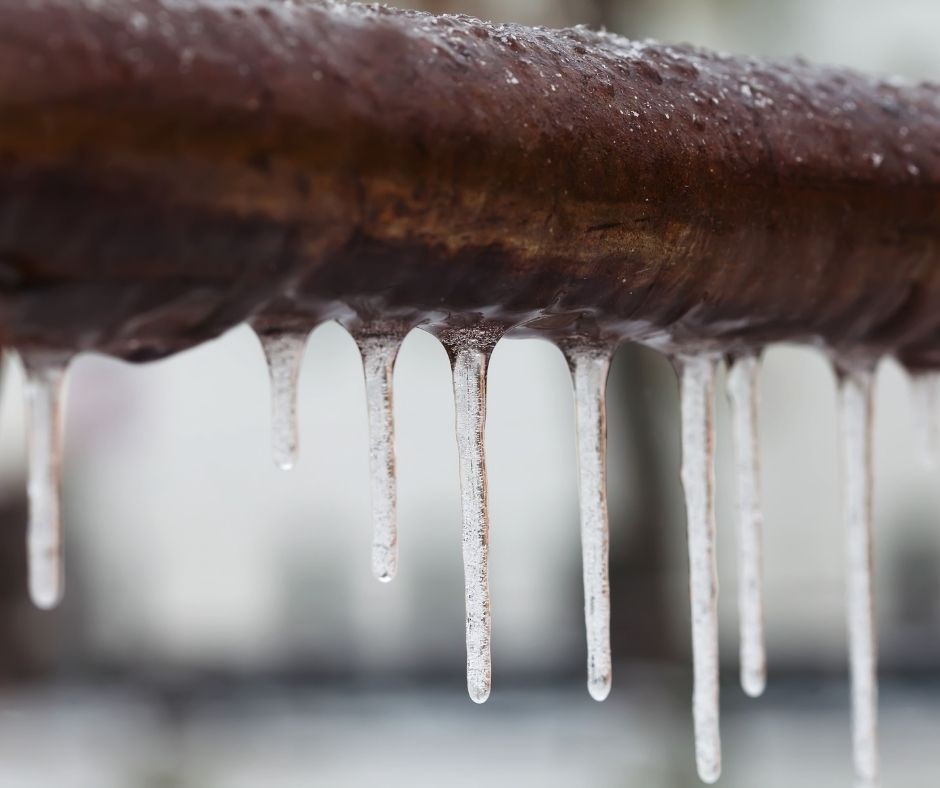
697, 391
925, 407
589, 367
284, 353
45, 379
379, 351
469, 358
855, 421
743, 375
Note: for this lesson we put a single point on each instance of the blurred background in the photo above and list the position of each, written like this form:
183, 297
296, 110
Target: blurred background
222, 627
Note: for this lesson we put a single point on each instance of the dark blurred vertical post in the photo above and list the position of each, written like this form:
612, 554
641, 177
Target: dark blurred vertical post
639, 607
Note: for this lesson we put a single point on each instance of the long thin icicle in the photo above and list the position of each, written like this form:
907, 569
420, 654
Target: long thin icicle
855, 420
743, 392
378, 361
469, 372
284, 353
698, 480
45, 378
925, 406
589, 368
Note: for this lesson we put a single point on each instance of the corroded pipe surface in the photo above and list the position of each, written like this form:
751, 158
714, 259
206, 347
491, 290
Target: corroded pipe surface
169, 168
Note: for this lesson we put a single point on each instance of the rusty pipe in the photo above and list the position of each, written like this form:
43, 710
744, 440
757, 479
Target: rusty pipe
169, 169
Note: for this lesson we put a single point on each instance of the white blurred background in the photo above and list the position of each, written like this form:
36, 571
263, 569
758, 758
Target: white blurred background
222, 627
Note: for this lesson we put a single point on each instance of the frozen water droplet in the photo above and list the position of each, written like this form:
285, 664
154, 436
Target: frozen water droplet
284, 353
469, 361
697, 389
378, 360
589, 367
855, 421
743, 393
45, 377
925, 406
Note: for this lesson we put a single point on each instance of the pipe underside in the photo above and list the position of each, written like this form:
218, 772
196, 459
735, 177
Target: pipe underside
170, 168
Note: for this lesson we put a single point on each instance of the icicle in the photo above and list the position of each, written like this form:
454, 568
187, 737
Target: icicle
742, 391
589, 367
925, 404
284, 352
855, 417
45, 376
469, 361
378, 358
698, 479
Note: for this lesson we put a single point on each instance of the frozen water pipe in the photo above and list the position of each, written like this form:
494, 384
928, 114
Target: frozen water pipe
171, 169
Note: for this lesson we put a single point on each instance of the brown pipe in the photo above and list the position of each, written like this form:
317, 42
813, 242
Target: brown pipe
169, 169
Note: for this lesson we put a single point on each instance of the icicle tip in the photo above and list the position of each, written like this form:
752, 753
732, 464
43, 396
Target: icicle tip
284, 461
479, 692
599, 687
384, 572
709, 773
46, 592
753, 684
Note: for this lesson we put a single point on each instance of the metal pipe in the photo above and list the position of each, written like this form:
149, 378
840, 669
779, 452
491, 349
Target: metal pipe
169, 168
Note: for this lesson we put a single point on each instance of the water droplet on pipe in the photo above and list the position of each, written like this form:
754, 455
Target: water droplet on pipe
284, 353
589, 368
855, 422
697, 391
45, 378
743, 393
379, 351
